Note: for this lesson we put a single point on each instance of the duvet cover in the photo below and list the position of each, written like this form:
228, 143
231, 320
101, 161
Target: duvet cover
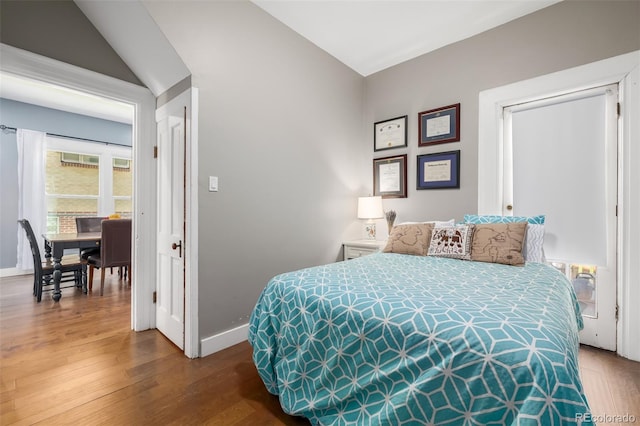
393, 339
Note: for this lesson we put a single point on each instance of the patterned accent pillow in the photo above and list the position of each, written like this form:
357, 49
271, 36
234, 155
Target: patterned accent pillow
478, 219
409, 239
499, 243
451, 241
533, 250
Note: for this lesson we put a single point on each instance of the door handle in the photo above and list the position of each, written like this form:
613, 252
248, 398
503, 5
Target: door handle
177, 246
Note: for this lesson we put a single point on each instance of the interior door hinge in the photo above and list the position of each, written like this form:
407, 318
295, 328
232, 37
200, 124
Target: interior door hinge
616, 210
155, 151
155, 297
617, 311
618, 108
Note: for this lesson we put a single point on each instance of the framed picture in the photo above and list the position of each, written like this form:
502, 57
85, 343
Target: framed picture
390, 134
439, 171
390, 176
440, 125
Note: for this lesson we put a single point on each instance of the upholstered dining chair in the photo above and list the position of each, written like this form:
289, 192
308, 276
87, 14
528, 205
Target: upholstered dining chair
115, 249
43, 271
89, 224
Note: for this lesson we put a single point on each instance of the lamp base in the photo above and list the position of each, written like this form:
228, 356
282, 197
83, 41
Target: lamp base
370, 231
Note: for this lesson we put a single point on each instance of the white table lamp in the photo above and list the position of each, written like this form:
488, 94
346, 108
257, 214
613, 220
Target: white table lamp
370, 208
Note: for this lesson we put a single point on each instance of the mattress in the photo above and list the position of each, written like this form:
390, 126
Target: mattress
392, 339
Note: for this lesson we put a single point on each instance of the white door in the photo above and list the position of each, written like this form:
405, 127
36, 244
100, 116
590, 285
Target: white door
170, 292
561, 161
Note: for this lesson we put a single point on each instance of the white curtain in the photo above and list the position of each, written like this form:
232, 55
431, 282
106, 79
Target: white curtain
32, 203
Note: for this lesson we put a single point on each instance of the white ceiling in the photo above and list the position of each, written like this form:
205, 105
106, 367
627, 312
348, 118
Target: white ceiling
371, 35
366, 35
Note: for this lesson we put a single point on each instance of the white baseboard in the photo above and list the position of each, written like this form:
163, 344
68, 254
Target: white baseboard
13, 272
223, 340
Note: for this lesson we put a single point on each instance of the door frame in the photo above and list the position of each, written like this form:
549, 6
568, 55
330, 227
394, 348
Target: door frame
490, 177
30, 65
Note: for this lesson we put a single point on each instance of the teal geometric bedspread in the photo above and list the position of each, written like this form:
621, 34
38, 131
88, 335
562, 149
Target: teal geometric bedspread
391, 339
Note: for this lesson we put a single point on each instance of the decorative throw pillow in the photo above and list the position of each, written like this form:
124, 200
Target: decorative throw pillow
499, 243
409, 239
451, 241
478, 219
533, 250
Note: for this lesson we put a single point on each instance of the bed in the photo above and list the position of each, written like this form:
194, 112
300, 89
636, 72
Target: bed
392, 339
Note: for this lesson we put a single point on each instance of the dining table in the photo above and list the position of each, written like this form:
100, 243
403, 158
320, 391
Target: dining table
56, 244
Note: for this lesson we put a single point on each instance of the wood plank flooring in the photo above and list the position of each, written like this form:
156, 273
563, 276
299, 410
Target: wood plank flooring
78, 362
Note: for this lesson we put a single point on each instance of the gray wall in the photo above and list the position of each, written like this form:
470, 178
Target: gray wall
32, 117
562, 36
279, 124
282, 125
58, 29
288, 129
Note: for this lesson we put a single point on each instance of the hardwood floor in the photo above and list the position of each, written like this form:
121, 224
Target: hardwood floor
78, 362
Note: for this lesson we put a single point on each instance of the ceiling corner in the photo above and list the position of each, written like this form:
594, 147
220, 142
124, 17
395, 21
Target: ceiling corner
137, 39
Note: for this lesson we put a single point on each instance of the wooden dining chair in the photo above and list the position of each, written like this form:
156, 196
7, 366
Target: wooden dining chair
83, 225
43, 271
115, 249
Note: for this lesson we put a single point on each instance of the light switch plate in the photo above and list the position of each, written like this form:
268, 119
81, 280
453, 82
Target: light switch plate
213, 183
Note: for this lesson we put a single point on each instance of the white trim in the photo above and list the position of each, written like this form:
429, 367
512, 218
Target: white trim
628, 214
224, 340
14, 272
490, 164
26, 64
191, 329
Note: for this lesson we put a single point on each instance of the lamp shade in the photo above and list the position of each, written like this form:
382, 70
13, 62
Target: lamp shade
370, 208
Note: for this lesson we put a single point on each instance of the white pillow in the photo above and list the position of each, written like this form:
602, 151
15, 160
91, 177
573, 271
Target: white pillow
449, 222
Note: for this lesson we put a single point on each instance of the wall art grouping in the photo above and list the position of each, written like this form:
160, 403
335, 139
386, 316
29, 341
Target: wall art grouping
434, 170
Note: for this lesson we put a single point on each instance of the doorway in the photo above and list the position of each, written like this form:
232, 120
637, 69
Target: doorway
24, 64
624, 70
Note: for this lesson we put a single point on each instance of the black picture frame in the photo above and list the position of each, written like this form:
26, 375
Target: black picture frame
390, 134
440, 125
390, 176
438, 171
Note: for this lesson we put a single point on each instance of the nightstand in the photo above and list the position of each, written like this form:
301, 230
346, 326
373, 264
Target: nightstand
358, 248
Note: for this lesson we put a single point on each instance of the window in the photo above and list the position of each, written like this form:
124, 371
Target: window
122, 176
86, 179
121, 163
74, 158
